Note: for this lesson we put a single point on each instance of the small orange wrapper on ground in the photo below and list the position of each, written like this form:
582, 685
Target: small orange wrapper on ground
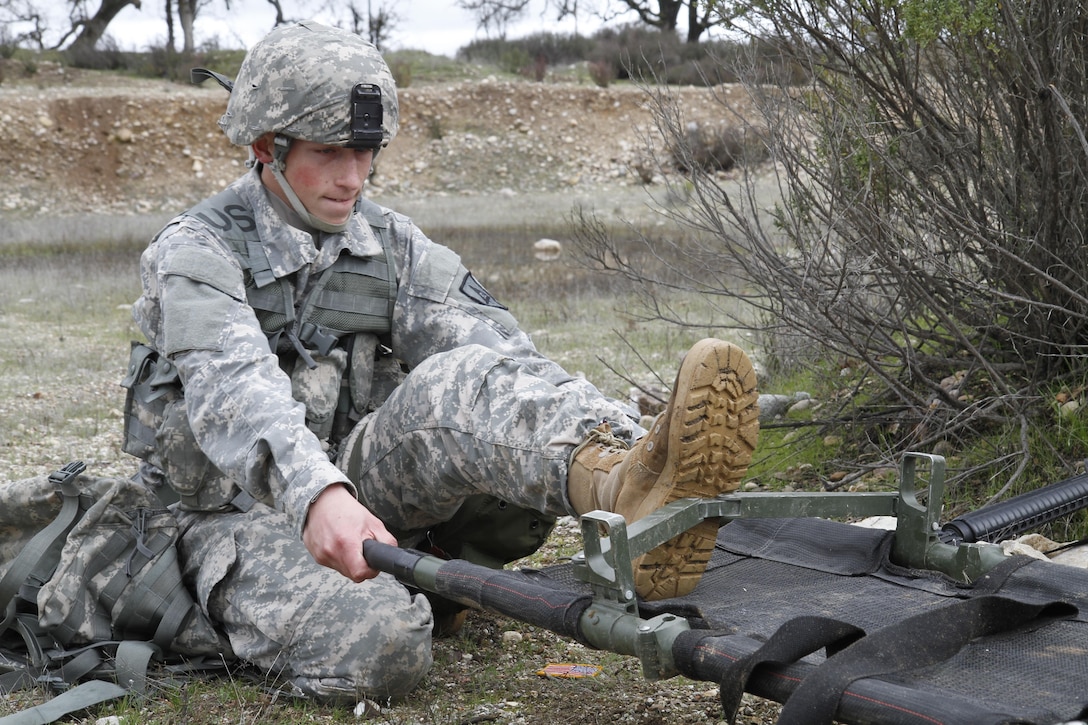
569, 670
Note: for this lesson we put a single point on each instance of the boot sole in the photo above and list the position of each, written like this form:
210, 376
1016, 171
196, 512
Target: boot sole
713, 430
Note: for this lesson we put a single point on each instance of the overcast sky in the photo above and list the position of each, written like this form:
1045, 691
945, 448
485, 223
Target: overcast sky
437, 26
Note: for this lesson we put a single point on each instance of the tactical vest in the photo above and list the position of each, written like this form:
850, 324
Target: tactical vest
355, 295
329, 340
326, 341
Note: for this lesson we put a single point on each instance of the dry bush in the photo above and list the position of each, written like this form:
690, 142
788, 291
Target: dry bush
602, 73
930, 241
716, 147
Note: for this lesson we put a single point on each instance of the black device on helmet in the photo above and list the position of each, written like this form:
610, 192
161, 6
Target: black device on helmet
366, 116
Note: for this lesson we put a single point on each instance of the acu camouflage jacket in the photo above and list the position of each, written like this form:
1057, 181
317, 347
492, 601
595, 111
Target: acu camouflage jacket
200, 309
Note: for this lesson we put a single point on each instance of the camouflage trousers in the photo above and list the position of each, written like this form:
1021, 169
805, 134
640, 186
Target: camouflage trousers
309, 627
465, 422
474, 421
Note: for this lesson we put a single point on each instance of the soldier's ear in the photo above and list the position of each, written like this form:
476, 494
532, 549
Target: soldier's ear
262, 148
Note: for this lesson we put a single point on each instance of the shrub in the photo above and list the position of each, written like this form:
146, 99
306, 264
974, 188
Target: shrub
402, 73
928, 239
633, 52
716, 147
602, 72
647, 54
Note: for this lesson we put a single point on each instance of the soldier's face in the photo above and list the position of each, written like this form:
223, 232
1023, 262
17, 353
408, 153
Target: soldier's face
327, 179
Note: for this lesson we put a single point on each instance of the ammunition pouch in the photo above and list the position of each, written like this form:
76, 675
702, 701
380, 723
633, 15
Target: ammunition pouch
151, 383
157, 430
318, 387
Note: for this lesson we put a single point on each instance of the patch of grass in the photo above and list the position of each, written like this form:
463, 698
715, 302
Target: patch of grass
587, 321
1061, 445
67, 325
419, 66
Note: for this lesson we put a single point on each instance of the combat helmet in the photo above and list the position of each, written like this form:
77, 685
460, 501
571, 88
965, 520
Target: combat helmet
316, 83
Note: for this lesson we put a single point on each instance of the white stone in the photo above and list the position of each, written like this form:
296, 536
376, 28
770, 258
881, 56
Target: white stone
547, 250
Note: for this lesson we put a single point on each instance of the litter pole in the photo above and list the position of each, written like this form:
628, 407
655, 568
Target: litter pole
530, 597
526, 596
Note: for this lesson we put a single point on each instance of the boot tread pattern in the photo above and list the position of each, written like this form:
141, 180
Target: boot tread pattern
713, 430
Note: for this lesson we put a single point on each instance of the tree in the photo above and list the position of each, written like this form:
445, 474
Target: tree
91, 29
187, 12
929, 245
495, 14
661, 14
278, 5
169, 13
377, 25
24, 13
665, 15
86, 28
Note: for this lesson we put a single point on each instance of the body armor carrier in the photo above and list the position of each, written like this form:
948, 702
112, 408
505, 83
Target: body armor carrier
329, 338
332, 340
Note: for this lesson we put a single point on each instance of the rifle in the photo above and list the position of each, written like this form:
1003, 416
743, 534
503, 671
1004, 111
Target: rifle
1006, 519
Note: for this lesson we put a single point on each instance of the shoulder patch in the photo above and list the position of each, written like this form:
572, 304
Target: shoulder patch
471, 288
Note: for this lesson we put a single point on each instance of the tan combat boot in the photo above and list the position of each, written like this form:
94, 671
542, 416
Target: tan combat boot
699, 446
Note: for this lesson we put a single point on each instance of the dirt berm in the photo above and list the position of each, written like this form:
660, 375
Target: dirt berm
489, 150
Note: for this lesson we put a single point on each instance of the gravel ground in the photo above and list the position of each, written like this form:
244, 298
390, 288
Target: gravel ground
78, 142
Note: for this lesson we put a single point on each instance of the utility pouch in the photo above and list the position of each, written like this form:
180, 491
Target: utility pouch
318, 388
157, 430
388, 374
201, 485
151, 383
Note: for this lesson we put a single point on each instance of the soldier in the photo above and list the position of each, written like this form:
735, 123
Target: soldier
339, 377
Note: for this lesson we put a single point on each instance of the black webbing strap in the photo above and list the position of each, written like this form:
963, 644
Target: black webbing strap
792, 641
16, 680
35, 639
82, 664
919, 641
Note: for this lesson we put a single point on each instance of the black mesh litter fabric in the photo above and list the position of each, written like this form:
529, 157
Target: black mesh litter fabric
767, 572
820, 545
1030, 669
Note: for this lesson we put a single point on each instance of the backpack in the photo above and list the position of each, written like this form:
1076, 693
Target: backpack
91, 591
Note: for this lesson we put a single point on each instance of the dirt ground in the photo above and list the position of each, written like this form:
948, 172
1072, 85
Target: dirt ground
78, 142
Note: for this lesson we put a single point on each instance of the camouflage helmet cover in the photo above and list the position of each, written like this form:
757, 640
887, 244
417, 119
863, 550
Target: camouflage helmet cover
298, 81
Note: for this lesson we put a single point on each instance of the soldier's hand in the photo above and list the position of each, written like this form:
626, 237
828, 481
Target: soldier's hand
336, 526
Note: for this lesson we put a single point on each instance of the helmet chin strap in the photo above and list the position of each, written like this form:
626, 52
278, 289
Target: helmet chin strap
280, 146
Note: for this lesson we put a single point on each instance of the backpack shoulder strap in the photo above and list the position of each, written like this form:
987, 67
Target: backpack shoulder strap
39, 556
